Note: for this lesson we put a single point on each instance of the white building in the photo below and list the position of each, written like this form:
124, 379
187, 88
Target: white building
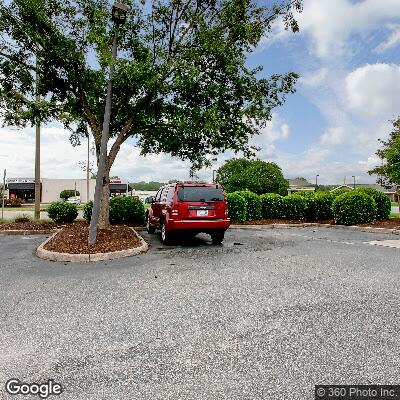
24, 188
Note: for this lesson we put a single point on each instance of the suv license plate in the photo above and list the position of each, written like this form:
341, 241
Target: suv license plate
202, 213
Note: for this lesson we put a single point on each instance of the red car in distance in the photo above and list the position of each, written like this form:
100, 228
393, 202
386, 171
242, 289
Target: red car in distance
190, 208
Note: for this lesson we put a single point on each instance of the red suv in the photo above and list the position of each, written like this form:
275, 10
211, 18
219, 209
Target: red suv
190, 208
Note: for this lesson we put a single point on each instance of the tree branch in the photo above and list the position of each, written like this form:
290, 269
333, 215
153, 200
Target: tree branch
11, 58
122, 136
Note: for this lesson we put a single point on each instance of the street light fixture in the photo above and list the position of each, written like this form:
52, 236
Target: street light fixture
119, 15
214, 171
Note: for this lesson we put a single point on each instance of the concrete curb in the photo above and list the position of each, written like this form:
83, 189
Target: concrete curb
55, 256
28, 232
310, 224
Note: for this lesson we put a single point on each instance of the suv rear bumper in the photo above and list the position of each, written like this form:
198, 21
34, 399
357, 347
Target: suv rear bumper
198, 224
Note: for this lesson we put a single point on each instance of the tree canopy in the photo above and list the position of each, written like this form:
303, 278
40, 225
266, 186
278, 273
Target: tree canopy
255, 175
389, 171
181, 83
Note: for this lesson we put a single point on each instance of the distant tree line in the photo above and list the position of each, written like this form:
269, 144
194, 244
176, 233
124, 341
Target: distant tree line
147, 186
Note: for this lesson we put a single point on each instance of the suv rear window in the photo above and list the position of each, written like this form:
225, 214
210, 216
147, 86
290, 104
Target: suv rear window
200, 193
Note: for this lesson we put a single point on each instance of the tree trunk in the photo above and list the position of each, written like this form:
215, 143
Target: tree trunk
104, 219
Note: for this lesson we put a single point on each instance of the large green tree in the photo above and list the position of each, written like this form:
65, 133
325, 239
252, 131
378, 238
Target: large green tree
181, 83
389, 171
255, 175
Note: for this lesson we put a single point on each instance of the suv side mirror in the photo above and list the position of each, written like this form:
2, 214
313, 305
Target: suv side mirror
152, 199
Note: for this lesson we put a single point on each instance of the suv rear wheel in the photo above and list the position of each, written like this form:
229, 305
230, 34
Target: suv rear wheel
166, 236
217, 237
149, 227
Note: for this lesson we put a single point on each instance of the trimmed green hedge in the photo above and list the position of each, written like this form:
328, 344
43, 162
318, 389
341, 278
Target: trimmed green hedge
236, 207
383, 204
295, 207
60, 211
123, 209
126, 209
253, 205
272, 206
353, 208
322, 206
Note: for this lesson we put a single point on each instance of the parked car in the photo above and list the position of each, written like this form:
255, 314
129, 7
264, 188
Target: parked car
191, 208
74, 200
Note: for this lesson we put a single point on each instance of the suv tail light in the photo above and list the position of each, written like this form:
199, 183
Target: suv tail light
226, 211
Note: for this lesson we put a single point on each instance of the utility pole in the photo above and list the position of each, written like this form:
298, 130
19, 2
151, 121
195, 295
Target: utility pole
316, 181
354, 181
2, 192
37, 152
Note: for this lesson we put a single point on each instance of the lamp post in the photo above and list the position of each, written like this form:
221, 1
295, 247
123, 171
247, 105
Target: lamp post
119, 15
214, 171
354, 181
37, 152
316, 181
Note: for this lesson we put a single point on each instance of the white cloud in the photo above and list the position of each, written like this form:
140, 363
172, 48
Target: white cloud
392, 41
333, 136
315, 78
275, 130
330, 23
374, 89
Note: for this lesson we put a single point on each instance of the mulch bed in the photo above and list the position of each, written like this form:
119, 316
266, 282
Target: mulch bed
393, 223
73, 239
28, 226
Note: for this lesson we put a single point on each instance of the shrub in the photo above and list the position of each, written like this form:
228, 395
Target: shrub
310, 203
322, 206
60, 211
272, 206
65, 194
122, 209
319, 205
253, 205
23, 218
87, 211
354, 208
236, 207
295, 207
126, 209
15, 202
382, 202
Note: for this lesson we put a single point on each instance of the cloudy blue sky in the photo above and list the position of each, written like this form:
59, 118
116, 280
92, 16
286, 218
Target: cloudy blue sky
348, 57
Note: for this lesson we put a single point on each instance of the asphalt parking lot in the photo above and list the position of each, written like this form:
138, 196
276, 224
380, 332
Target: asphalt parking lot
267, 315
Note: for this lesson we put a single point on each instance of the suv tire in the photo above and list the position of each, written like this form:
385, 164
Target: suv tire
217, 237
149, 227
166, 236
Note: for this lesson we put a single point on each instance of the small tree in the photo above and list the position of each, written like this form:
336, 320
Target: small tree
255, 175
389, 171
